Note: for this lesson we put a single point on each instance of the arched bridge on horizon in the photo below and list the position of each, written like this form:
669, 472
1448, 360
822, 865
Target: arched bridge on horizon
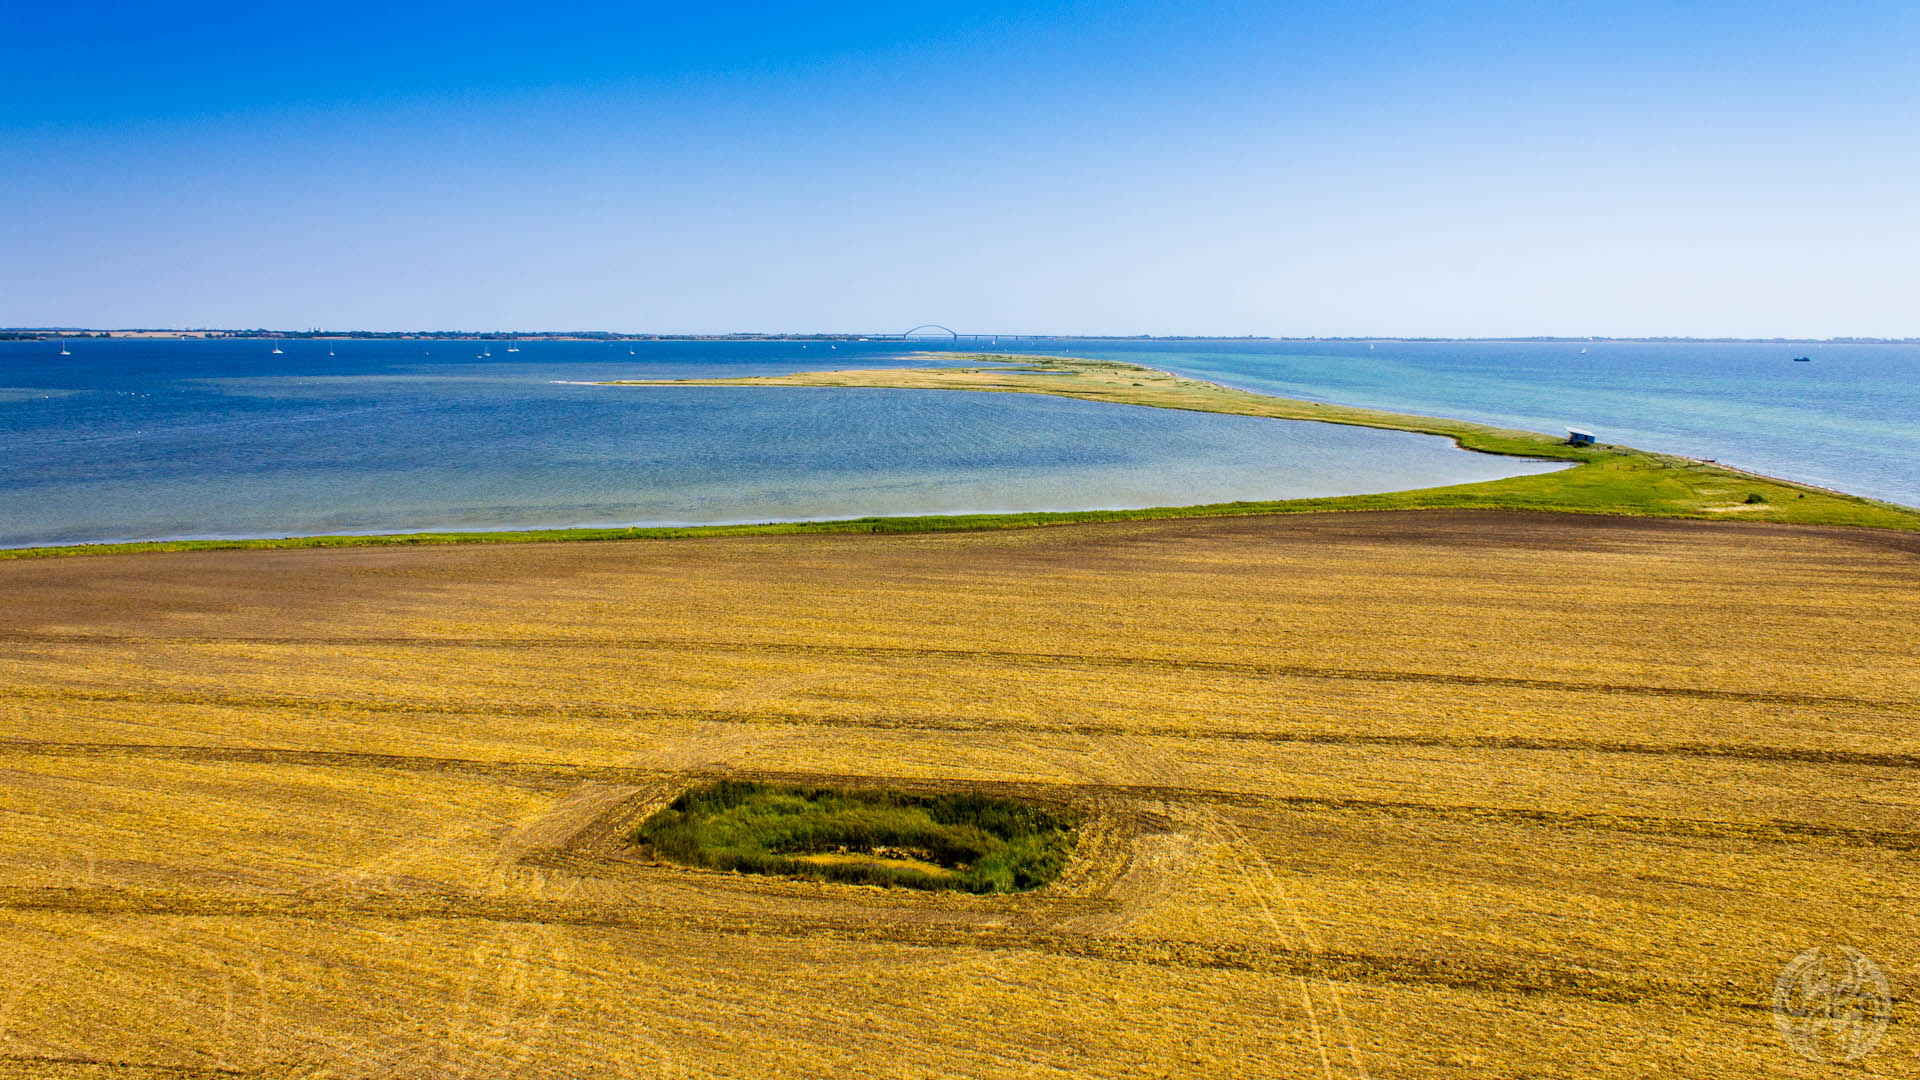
940, 332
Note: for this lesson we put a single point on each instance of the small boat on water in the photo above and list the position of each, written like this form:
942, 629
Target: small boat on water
64, 351
513, 348
277, 350
1803, 359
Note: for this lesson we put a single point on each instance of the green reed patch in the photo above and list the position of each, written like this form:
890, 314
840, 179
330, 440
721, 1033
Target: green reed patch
966, 842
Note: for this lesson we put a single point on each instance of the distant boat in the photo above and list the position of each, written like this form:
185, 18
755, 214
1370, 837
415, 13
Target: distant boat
329, 352
1583, 352
64, 351
277, 350
513, 348
1803, 359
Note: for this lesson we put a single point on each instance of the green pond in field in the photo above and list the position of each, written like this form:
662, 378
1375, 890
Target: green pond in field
953, 841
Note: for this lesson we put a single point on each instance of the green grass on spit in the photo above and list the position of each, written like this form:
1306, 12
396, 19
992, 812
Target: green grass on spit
965, 842
1603, 479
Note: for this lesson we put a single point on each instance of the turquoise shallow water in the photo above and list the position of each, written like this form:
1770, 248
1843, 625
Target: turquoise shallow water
164, 439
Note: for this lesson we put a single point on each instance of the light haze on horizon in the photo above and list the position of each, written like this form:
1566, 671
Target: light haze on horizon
1409, 168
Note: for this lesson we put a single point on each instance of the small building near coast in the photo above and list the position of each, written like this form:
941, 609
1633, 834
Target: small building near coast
1576, 437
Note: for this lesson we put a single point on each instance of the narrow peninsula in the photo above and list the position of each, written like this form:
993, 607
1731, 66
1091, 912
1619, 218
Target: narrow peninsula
1601, 478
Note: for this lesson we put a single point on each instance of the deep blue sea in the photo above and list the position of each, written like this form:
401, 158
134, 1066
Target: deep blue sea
132, 439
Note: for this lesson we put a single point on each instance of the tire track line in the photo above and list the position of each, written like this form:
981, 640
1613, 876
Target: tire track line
1031, 659
39, 1061
961, 724
1453, 973
1775, 831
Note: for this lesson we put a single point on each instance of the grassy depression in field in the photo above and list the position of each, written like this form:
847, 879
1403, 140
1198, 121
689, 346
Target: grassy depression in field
966, 842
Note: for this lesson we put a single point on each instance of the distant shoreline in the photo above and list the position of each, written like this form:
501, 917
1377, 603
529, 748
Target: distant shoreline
46, 333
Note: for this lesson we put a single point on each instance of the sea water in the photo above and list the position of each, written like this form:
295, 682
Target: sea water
146, 439
153, 439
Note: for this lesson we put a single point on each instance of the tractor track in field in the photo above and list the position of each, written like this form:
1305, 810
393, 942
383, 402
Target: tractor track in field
1004, 657
565, 773
985, 725
860, 927
38, 1062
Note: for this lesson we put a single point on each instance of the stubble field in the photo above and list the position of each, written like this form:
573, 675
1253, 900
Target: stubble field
1424, 794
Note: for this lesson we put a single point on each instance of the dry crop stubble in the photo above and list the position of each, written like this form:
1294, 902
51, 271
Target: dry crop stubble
1387, 795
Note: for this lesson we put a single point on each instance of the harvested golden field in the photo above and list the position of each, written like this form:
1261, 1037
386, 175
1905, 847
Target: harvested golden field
1423, 794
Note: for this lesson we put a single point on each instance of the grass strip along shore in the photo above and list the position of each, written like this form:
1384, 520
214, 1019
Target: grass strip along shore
1604, 479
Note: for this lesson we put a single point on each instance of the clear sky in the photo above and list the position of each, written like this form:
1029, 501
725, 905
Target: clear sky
1209, 167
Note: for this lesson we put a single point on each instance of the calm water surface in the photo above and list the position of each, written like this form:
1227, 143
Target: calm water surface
160, 439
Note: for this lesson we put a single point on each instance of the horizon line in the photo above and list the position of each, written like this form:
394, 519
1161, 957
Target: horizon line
896, 335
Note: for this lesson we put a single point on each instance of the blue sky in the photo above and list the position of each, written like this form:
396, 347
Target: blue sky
1220, 168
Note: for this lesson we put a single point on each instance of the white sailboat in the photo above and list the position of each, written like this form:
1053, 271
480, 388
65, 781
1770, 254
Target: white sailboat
277, 350
513, 348
64, 351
